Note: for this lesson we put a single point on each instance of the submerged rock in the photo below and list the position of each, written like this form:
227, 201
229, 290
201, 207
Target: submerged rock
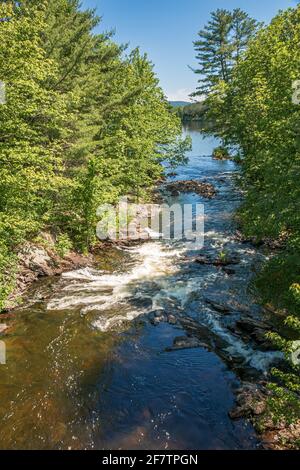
186, 342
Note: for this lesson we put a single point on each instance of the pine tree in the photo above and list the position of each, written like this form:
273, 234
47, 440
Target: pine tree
221, 43
243, 29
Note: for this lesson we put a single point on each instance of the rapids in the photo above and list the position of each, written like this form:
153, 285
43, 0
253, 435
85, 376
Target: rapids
86, 367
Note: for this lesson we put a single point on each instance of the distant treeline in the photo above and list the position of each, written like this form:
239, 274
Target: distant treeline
193, 112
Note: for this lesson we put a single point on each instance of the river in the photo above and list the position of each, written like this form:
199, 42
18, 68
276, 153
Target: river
87, 369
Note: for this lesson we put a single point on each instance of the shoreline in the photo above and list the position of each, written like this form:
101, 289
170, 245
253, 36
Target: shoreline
40, 260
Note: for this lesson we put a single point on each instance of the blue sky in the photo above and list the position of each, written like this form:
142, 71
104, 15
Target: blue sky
165, 29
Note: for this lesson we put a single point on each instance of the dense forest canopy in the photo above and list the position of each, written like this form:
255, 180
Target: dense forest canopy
84, 122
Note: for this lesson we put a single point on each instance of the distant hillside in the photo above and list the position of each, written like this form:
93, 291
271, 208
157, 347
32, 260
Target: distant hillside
178, 104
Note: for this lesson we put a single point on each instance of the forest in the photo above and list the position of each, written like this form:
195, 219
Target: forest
249, 85
83, 123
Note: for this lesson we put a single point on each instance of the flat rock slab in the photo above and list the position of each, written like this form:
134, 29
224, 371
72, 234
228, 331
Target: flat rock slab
250, 325
209, 261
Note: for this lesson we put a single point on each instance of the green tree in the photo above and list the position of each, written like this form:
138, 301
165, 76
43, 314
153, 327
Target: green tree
255, 112
220, 46
32, 128
82, 125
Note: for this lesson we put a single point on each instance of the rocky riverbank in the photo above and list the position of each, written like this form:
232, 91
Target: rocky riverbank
39, 260
252, 403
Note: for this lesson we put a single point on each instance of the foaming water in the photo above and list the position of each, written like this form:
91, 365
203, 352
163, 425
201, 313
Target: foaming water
152, 260
88, 370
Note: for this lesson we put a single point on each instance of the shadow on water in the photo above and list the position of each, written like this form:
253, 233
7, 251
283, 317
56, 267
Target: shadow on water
87, 369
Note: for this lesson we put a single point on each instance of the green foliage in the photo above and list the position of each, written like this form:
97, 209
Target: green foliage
63, 245
253, 111
220, 46
83, 124
221, 153
7, 273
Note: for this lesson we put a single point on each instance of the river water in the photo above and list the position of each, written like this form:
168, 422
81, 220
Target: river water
86, 368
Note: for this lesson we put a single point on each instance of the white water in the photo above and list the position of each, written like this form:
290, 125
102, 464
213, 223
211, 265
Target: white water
108, 295
152, 261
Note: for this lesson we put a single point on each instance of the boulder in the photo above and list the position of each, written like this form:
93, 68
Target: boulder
218, 262
186, 342
218, 306
250, 402
229, 271
157, 317
3, 328
36, 259
172, 320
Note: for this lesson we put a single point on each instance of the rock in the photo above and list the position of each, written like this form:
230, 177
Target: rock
158, 314
37, 259
3, 328
218, 262
172, 320
259, 337
186, 342
250, 325
229, 271
204, 189
281, 436
258, 408
241, 238
221, 153
236, 359
157, 317
250, 401
219, 307
202, 260
237, 413
229, 260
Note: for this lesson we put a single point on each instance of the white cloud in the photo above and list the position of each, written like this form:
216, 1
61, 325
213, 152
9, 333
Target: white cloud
180, 95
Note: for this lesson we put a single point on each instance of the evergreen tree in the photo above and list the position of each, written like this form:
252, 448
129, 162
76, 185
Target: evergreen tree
221, 43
